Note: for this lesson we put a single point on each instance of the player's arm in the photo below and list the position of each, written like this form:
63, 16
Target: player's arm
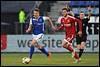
89, 13
80, 26
61, 27
30, 26
51, 23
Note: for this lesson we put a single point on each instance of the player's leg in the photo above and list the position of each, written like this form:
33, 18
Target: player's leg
33, 44
67, 43
81, 49
40, 47
78, 42
32, 48
82, 46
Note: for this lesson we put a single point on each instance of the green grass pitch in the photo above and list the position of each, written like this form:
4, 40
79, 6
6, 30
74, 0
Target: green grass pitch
58, 59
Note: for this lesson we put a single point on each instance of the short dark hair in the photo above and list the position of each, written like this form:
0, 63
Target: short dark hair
81, 12
67, 9
37, 9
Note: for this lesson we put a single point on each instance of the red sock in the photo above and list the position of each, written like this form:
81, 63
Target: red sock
76, 56
71, 50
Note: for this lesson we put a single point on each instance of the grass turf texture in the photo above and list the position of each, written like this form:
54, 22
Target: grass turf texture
58, 59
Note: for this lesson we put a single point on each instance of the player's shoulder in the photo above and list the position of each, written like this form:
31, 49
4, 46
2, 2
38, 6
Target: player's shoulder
41, 16
32, 18
59, 18
71, 17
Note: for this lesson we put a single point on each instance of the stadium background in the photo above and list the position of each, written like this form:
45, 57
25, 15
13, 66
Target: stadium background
13, 36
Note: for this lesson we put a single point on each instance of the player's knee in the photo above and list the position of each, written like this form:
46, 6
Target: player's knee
65, 46
39, 47
83, 45
33, 42
78, 46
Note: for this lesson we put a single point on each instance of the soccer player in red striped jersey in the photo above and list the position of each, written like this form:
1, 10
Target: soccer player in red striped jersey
68, 23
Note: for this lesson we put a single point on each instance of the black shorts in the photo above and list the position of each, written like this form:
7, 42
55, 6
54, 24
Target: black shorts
81, 39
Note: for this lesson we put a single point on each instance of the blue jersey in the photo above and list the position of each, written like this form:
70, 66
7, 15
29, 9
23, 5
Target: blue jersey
38, 25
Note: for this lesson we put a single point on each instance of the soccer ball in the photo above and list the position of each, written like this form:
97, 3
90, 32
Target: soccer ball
25, 60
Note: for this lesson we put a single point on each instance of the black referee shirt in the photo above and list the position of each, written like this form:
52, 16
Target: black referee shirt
84, 25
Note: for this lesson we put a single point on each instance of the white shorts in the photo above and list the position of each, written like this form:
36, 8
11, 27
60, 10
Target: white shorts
38, 37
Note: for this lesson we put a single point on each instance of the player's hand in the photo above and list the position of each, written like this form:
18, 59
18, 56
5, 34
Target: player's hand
54, 28
89, 8
28, 30
80, 33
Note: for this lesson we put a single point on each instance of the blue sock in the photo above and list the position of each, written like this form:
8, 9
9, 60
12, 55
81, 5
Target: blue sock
31, 51
44, 51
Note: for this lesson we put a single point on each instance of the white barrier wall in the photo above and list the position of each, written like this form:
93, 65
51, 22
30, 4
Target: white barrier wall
20, 43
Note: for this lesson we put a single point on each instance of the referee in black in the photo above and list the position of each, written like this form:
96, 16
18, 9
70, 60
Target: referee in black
81, 39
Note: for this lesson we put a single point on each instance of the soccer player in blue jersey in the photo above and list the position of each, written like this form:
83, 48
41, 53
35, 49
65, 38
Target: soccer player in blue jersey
37, 22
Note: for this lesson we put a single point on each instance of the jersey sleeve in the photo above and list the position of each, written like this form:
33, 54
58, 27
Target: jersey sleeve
30, 20
79, 23
59, 20
87, 19
61, 27
45, 18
